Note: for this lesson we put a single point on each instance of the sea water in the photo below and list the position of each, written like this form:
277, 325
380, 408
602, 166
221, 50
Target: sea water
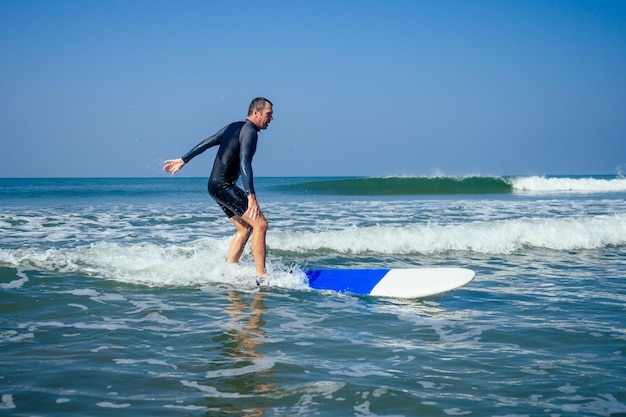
115, 298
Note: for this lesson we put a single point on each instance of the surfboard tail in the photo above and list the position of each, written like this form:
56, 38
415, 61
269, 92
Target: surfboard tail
396, 283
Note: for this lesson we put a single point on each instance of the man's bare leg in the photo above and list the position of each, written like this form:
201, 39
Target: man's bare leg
239, 241
259, 231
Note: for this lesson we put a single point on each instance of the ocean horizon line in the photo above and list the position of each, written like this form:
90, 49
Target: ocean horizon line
165, 175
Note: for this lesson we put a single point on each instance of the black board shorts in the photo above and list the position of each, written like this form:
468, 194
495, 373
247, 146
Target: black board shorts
232, 199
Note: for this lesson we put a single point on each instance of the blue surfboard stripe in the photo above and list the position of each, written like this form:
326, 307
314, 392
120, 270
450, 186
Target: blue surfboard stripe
359, 281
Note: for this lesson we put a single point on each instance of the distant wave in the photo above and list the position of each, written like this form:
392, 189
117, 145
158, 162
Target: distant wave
161, 188
390, 186
404, 186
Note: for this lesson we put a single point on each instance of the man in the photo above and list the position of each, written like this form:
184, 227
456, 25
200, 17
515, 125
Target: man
237, 145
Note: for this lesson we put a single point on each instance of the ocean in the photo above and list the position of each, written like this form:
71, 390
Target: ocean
115, 298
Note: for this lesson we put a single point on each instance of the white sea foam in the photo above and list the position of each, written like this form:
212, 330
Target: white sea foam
109, 404
499, 237
361, 371
258, 365
13, 336
538, 184
148, 361
7, 402
197, 263
23, 278
211, 391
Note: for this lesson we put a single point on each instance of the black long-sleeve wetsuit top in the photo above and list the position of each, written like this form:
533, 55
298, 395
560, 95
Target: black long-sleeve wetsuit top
234, 157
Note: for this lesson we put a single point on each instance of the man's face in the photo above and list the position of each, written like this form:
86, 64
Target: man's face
263, 118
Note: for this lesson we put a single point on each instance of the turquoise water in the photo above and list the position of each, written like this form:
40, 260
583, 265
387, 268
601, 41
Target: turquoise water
115, 298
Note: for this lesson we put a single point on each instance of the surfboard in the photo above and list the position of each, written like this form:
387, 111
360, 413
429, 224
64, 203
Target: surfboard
395, 283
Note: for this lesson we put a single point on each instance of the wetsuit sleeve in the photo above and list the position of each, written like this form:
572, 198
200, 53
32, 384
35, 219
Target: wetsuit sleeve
209, 142
248, 140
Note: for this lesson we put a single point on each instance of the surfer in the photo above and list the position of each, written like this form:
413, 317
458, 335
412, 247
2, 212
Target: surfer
237, 145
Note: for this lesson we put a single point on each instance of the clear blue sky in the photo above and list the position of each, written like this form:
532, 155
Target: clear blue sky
375, 88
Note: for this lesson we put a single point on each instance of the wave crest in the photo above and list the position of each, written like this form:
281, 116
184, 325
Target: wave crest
582, 185
499, 237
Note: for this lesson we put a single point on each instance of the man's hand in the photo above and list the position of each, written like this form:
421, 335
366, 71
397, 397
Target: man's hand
253, 207
173, 165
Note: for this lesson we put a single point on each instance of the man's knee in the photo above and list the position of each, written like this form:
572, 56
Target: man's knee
244, 232
243, 228
261, 224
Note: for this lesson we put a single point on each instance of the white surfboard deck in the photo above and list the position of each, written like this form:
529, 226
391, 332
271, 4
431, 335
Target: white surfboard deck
396, 283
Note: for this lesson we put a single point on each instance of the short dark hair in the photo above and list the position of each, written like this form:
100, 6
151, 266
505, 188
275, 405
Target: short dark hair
258, 104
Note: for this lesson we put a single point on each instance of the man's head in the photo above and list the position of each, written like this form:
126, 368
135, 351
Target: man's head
260, 112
